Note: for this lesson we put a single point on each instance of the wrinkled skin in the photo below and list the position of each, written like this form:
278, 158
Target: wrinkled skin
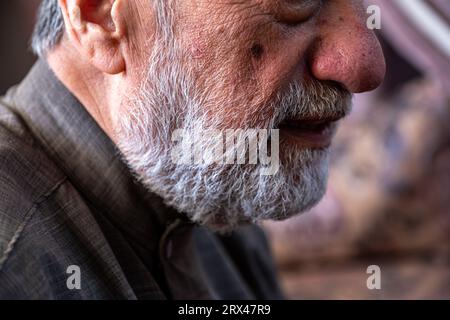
143, 68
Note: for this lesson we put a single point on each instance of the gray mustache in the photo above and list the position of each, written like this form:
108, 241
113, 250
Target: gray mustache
313, 100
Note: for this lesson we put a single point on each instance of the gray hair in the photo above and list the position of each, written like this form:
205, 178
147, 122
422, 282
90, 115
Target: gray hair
49, 27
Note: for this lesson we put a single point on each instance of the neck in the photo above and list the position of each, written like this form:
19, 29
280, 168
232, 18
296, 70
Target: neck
99, 93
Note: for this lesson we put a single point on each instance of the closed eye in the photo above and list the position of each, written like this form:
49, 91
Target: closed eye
294, 12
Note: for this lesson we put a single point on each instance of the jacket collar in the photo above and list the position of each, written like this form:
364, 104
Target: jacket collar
88, 157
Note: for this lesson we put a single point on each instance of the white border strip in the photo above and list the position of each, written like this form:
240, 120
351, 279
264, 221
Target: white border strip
431, 24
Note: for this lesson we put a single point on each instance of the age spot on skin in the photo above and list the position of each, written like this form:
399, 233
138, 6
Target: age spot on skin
257, 51
197, 50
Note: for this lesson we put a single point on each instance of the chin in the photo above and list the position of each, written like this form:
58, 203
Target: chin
225, 198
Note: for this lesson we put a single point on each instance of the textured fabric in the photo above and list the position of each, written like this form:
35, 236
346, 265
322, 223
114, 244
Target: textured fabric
68, 199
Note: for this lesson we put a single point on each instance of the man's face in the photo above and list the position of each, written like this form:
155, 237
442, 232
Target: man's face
257, 64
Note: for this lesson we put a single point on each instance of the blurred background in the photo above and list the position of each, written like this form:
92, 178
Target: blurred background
16, 24
388, 201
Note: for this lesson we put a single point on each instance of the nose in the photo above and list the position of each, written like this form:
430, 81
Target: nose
347, 52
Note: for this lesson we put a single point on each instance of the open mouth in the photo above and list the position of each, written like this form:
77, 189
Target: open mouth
310, 133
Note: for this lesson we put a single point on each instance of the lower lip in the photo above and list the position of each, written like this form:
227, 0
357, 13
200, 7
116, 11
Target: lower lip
317, 138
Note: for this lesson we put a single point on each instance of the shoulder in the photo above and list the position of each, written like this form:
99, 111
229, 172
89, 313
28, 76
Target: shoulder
27, 177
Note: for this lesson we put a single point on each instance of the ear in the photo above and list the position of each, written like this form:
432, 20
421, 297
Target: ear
98, 30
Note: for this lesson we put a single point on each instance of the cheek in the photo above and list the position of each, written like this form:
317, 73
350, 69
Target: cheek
284, 60
241, 68
223, 63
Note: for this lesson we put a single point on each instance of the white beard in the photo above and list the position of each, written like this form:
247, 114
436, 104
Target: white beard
222, 197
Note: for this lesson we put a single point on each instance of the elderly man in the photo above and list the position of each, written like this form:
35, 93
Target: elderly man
93, 203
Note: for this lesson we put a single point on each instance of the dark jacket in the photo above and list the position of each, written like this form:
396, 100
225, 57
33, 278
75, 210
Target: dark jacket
74, 223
